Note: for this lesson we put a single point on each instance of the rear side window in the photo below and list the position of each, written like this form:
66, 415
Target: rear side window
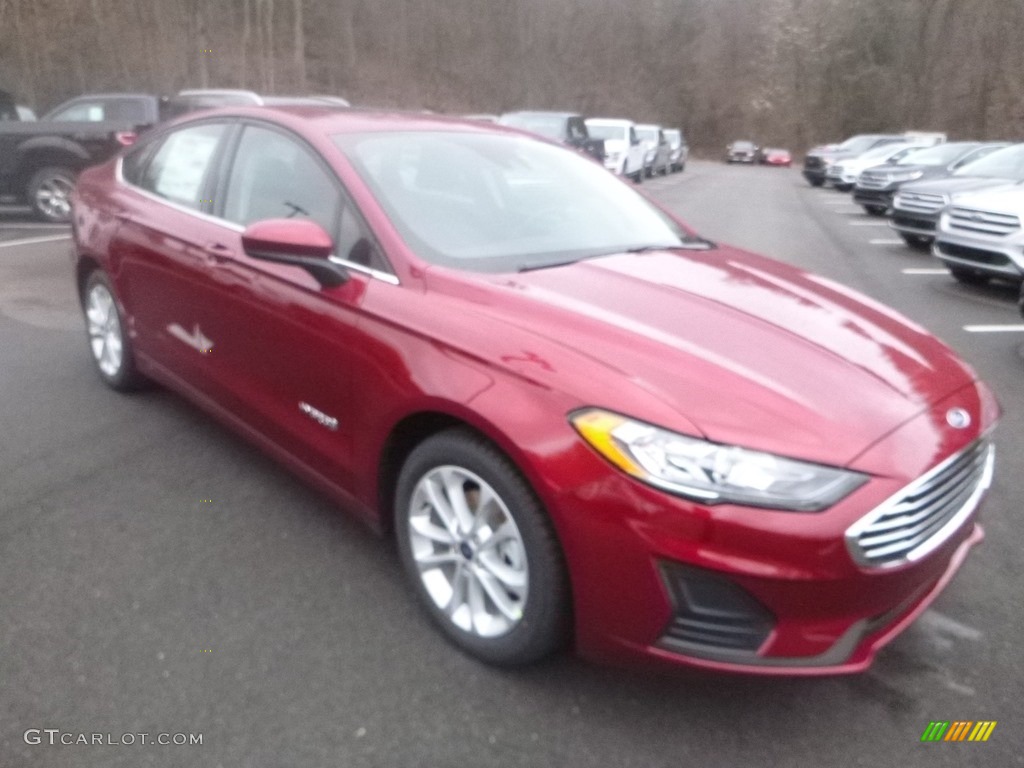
275, 177
125, 110
179, 167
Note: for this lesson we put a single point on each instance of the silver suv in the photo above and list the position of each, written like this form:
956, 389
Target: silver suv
916, 206
980, 235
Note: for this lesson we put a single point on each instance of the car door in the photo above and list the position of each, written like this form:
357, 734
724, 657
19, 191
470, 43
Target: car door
291, 347
159, 252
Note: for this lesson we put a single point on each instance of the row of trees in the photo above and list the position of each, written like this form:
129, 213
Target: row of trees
790, 72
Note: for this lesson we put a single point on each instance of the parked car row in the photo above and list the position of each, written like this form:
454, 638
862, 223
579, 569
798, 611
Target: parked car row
748, 152
961, 200
40, 160
634, 150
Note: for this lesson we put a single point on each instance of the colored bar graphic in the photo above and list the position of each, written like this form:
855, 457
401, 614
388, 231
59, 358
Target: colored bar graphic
982, 730
958, 730
935, 731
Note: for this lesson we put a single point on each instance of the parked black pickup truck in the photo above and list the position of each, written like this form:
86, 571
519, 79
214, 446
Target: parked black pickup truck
40, 160
566, 127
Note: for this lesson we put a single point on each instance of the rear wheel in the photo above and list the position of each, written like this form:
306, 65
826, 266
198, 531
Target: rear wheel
49, 194
816, 182
480, 551
968, 276
875, 210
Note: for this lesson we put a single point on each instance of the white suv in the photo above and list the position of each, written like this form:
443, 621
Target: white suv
623, 151
980, 235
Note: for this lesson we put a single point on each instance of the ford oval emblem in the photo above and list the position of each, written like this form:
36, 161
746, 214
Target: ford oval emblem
958, 418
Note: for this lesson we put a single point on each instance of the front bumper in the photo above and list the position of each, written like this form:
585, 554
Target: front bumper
994, 260
879, 197
756, 591
917, 223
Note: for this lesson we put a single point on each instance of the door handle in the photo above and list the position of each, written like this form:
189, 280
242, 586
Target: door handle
218, 252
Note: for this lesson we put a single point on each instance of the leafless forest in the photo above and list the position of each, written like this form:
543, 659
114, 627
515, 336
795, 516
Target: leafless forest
790, 72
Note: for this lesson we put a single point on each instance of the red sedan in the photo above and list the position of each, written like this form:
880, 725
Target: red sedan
582, 422
780, 157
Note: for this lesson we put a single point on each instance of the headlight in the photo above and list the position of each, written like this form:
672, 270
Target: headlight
709, 472
650, 155
614, 156
905, 175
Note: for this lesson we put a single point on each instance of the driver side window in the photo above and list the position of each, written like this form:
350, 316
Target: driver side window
274, 177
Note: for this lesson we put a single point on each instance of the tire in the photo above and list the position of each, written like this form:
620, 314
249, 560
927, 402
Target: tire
968, 276
875, 210
816, 182
842, 187
917, 242
638, 177
522, 607
104, 324
49, 194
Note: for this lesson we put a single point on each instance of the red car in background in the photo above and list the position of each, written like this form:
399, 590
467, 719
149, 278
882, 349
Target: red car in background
773, 156
582, 422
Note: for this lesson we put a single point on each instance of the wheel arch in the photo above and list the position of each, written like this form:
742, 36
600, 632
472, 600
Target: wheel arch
415, 427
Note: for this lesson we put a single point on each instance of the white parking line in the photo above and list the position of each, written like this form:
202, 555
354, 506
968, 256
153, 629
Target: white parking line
846, 211
922, 271
34, 240
868, 223
994, 328
836, 201
885, 241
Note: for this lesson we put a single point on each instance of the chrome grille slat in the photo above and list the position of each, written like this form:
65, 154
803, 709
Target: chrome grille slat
938, 516
984, 222
925, 513
921, 202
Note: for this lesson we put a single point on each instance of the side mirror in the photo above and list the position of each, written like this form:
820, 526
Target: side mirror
298, 242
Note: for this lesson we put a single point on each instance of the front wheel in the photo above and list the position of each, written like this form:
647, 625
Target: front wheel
968, 276
917, 242
816, 182
49, 194
480, 551
108, 342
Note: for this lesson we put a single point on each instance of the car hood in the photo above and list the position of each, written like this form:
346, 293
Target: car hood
955, 185
1006, 198
745, 349
614, 145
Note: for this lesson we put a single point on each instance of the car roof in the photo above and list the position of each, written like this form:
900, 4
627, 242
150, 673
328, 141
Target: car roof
548, 113
610, 120
329, 120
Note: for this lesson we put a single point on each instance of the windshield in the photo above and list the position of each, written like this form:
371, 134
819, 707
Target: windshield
1005, 163
744, 145
648, 134
499, 203
606, 131
886, 152
857, 144
942, 154
549, 126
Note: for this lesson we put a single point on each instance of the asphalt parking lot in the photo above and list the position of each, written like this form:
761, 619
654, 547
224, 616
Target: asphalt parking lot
159, 575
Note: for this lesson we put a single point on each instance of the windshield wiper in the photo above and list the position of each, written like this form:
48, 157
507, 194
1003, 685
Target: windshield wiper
687, 244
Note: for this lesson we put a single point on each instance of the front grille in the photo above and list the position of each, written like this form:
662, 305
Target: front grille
921, 202
977, 255
924, 514
871, 180
712, 613
911, 223
984, 222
